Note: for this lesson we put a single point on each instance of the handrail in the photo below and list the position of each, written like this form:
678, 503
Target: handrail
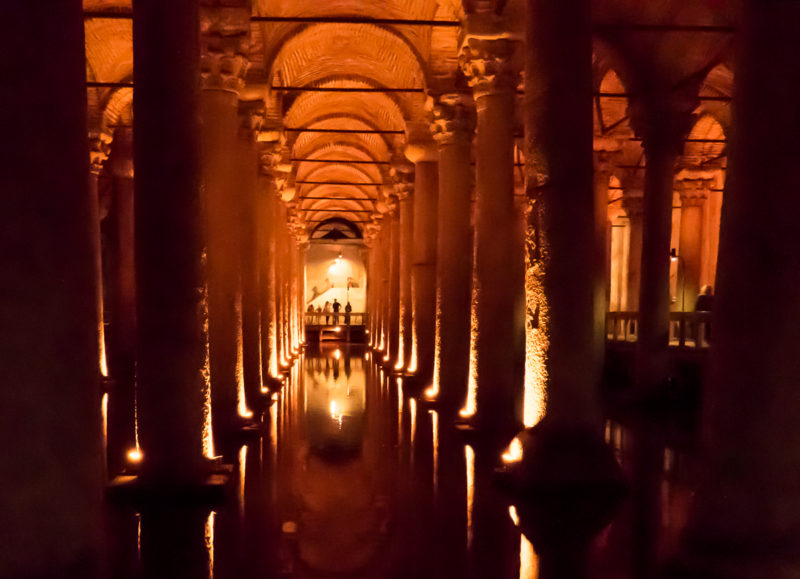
336, 319
686, 329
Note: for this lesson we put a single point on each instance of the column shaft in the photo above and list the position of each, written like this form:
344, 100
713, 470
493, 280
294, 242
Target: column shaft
572, 210
169, 241
747, 507
219, 110
453, 128
500, 345
406, 224
51, 486
426, 198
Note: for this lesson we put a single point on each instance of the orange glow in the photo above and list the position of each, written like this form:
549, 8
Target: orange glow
433, 391
512, 512
412, 361
208, 435
469, 456
471, 405
513, 453
412, 410
101, 344
242, 473
337, 354
241, 406
528, 561
435, 441
537, 340
104, 414
399, 409
209, 540
135, 455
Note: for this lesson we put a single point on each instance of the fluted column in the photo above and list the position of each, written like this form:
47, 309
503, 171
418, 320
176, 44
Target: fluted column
499, 291
423, 269
51, 486
453, 126
122, 335
693, 189
745, 512
223, 62
169, 243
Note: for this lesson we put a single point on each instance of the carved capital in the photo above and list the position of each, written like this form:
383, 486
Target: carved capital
663, 122
693, 187
224, 42
270, 155
453, 118
99, 147
633, 203
487, 65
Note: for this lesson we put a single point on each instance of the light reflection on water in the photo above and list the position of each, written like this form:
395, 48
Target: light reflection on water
339, 481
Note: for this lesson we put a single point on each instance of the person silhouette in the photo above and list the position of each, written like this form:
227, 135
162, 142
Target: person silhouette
336, 307
347, 309
326, 309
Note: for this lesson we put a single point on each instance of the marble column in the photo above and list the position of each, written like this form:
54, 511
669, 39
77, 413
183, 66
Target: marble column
122, 335
223, 63
50, 427
405, 202
693, 189
423, 269
662, 126
98, 155
169, 217
745, 512
499, 271
453, 127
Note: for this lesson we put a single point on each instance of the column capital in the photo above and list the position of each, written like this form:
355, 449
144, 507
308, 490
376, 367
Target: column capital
487, 64
453, 118
694, 186
607, 153
99, 147
633, 203
269, 157
403, 175
251, 117
663, 122
224, 45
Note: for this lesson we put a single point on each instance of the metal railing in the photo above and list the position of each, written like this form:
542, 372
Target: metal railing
686, 329
324, 319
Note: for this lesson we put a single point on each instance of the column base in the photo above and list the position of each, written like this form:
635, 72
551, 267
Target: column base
213, 487
567, 485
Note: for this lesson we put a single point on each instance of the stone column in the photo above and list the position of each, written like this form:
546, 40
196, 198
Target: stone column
393, 294
453, 126
572, 211
247, 169
223, 63
500, 339
122, 338
633, 203
423, 269
51, 486
745, 513
662, 126
98, 154
266, 201
405, 213
693, 188
170, 362
606, 152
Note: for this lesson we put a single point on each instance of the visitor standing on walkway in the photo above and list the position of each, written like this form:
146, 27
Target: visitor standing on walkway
336, 307
326, 309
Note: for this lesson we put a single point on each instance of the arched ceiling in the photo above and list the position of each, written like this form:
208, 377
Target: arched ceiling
345, 137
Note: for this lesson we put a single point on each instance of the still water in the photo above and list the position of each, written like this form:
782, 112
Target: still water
352, 478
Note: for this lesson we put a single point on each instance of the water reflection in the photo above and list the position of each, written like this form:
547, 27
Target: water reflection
352, 477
